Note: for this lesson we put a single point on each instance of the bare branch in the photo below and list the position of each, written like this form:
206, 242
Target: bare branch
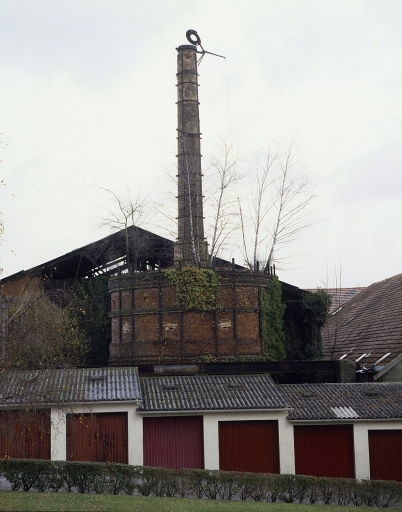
279, 209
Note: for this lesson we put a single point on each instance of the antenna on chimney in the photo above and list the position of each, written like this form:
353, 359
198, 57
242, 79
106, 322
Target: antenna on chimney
194, 38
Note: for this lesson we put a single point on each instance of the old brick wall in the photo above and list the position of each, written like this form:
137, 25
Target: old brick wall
148, 324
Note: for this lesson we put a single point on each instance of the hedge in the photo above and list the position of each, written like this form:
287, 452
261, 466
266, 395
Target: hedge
91, 477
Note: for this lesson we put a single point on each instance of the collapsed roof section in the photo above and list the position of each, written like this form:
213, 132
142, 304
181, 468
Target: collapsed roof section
134, 249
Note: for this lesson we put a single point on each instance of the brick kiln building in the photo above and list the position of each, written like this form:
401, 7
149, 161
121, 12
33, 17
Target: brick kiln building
148, 322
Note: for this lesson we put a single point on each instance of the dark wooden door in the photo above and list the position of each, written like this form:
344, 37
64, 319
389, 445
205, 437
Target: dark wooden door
249, 446
174, 442
385, 450
324, 450
101, 437
25, 434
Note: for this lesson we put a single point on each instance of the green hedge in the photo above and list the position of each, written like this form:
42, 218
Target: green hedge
88, 477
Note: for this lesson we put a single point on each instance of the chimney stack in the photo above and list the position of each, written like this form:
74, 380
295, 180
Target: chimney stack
190, 248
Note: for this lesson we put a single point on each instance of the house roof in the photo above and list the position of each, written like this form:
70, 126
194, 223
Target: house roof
370, 323
339, 295
70, 385
343, 401
210, 392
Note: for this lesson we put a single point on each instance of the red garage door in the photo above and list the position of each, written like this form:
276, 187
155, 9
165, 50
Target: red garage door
324, 450
25, 435
174, 442
249, 446
97, 437
385, 449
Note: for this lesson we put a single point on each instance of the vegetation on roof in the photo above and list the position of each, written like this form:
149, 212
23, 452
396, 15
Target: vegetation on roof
195, 287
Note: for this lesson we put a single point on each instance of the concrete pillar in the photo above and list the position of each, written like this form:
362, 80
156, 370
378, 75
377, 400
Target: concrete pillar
58, 434
362, 460
286, 446
135, 438
211, 441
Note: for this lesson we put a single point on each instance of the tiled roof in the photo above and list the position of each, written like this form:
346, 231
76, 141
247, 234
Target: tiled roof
343, 401
210, 392
369, 323
69, 385
341, 295
338, 295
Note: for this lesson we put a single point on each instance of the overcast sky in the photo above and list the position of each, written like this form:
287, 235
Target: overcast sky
87, 100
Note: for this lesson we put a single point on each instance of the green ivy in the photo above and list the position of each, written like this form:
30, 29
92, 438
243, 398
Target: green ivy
272, 310
316, 306
195, 287
88, 309
318, 303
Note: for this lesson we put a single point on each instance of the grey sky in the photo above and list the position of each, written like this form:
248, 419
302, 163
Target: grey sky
87, 99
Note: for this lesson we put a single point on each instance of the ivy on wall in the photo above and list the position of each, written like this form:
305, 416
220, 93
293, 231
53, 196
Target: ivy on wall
195, 287
303, 330
316, 306
88, 309
272, 309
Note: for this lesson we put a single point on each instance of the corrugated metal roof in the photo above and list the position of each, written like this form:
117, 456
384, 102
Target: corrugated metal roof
74, 385
343, 401
210, 392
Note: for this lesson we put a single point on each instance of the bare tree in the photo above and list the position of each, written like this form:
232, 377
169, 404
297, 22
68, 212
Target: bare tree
126, 214
220, 200
253, 215
281, 197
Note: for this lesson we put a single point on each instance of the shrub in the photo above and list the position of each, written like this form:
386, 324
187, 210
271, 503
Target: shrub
89, 477
82, 477
379, 493
23, 473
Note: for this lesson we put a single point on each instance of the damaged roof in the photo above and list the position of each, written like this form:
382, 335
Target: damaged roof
104, 256
210, 392
312, 402
72, 385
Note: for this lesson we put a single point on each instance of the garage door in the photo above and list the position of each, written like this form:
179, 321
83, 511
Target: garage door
99, 437
25, 435
174, 442
324, 450
385, 449
249, 446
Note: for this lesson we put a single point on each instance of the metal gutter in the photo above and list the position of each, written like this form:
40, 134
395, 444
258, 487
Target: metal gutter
209, 411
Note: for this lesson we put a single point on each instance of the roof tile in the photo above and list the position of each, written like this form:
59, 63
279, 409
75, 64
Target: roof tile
370, 323
74, 385
343, 401
210, 392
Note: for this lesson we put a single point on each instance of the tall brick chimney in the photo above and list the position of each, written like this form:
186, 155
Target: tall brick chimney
191, 248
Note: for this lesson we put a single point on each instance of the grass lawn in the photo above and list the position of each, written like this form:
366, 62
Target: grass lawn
33, 501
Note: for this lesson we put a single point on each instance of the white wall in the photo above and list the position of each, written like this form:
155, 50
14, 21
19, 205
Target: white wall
59, 433
360, 432
211, 435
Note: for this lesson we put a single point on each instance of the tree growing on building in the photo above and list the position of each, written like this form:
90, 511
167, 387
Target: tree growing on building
278, 210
